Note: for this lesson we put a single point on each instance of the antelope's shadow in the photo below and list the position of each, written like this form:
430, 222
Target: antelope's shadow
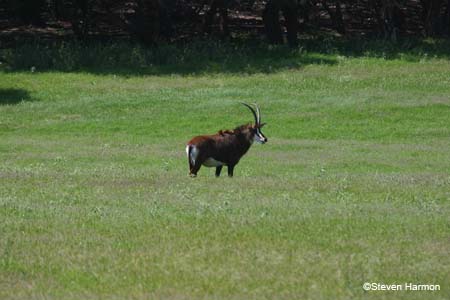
11, 96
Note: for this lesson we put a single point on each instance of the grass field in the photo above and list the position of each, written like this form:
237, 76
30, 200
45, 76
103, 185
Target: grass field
352, 187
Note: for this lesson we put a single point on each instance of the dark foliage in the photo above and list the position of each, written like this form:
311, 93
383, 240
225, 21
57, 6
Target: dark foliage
280, 21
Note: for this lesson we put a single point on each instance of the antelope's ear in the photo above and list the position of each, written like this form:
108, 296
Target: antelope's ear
262, 125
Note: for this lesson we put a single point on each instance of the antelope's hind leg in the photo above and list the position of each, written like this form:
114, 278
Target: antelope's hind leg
196, 166
194, 169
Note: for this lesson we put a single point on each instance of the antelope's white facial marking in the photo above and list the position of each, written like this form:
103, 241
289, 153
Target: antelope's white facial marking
259, 137
211, 162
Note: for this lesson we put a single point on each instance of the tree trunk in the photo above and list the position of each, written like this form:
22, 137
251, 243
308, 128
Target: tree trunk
376, 11
146, 23
271, 23
221, 7
336, 16
224, 29
388, 15
433, 21
80, 18
209, 17
28, 11
291, 16
448, 18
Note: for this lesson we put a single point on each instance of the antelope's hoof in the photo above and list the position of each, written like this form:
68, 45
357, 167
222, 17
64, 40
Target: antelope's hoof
192, 175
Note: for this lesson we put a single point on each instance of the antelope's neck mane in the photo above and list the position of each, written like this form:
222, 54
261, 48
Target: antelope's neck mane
242, 128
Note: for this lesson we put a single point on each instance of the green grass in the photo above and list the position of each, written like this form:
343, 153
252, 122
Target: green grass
352, 187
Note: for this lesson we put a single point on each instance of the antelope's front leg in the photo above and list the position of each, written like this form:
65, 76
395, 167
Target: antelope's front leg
218, 170
230, 170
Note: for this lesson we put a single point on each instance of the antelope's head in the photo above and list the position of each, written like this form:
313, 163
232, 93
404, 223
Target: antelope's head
255, 129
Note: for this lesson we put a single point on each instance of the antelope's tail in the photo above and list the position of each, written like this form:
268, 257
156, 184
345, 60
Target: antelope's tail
189, 154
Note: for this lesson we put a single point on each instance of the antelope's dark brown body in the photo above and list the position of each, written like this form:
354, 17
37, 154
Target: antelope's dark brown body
224, 148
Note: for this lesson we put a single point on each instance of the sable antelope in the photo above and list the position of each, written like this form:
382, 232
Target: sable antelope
225, 147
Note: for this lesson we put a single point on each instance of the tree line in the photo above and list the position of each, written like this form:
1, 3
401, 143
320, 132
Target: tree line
280, 21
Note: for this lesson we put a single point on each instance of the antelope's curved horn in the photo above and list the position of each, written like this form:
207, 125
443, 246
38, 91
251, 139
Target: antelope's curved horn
258, 114
252, 110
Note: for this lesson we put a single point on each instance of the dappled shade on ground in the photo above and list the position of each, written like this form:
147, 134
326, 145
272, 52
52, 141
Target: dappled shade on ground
209, 57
